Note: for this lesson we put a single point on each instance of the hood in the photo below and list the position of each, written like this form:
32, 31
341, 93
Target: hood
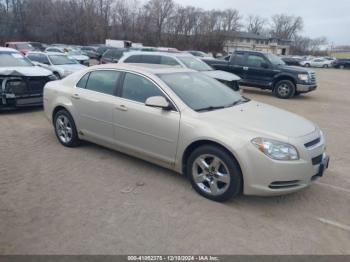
25, 71
222, 75
294, 69
262, 119
71, 68
79, 57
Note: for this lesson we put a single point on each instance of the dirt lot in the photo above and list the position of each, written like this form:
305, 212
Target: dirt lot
91, 200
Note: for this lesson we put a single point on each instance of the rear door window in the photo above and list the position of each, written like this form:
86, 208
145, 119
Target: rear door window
102, 81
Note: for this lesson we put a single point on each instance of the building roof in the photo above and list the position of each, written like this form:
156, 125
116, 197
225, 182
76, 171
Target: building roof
248, 35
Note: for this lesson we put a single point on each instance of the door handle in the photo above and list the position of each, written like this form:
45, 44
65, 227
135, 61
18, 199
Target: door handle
121, 108
245, 68
75, 96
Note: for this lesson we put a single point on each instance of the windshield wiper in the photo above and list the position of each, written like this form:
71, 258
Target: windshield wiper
210, 108
238, 102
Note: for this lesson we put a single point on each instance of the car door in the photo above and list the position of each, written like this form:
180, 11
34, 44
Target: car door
93, 100
147, 130
258, 70
237, 65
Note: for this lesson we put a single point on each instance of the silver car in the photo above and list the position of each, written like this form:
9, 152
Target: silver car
183, 60
60, 64
186, 121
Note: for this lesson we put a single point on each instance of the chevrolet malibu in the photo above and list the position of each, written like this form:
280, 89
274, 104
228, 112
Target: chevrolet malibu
189, 122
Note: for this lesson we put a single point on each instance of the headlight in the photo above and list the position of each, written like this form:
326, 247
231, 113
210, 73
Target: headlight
303, 77
275, 149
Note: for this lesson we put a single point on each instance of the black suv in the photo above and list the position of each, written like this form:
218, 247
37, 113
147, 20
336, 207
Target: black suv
342, 63
267, 71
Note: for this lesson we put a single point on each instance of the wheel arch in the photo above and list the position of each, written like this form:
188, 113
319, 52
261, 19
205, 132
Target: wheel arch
284, 77
196, 144
58, 108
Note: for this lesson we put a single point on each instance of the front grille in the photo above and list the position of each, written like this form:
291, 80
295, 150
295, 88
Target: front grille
313, 142
36, 85
317, 160
284, 184
312, 78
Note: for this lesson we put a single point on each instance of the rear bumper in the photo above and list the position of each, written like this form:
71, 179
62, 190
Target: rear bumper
301, 88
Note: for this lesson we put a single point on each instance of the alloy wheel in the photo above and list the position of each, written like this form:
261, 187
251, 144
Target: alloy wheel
211, 175
64, 129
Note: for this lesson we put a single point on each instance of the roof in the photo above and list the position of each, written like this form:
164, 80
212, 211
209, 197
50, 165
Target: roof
6, 49
45, 53
248, 35
159, 54
155, 69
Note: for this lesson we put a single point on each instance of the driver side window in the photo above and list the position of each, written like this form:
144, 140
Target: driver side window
255, 61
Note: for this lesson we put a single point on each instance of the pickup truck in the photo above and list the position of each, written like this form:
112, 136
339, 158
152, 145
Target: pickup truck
267, 71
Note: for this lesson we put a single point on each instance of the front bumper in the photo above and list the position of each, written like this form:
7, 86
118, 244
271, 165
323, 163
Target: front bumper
303, 88
12, 100
264, 176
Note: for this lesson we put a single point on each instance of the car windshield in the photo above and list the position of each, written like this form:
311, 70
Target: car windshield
9, 59
275, 60
200, 92
61, 60
194, 63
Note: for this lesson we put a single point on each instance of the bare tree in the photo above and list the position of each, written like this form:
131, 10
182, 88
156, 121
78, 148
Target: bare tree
159, 11
285, 26
256, 24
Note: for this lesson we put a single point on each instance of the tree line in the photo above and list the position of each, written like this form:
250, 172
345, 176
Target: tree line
154, 23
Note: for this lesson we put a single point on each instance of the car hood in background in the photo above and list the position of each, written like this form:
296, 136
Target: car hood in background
75, 67
79, 57
222, 75
295, 69
24, 71
262, 119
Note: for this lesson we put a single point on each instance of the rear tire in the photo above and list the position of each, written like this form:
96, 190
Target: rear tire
325, 66
284, 89
65, 129
214, 173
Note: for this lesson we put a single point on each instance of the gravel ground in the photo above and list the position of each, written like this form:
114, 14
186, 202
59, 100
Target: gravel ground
91, 200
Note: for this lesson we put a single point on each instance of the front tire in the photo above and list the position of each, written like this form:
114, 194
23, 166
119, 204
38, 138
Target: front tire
214, 173
307, 65
284, 89
325, 66
65, 129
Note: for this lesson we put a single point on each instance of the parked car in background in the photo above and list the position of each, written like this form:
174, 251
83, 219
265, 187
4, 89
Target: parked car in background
72, 53
101, 50
38, 46
342, 63
198, 53
60, 64
317, 62
22, 47
291, 61
183, 60
113, 55
21, 82
90, 51
267, 71
186, 121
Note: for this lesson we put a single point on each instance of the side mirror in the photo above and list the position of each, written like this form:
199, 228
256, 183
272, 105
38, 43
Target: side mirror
264, 65
158, 101
115, 60
36, 63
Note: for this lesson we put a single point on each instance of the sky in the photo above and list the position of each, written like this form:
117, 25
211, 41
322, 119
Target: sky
329, 18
